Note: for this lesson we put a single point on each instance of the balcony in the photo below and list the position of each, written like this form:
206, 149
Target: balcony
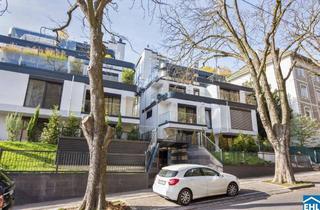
187, 118
53, 60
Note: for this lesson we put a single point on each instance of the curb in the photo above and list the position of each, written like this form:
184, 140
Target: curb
301, 187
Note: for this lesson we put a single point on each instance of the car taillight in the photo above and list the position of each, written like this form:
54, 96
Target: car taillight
1, 201
173, 181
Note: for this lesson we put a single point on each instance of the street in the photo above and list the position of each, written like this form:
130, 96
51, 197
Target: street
254, 194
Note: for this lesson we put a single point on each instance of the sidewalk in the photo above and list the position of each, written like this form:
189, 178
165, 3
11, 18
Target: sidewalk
146, 199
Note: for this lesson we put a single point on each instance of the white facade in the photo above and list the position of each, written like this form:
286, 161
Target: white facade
15, 80
165, 112
303, 84
159, 106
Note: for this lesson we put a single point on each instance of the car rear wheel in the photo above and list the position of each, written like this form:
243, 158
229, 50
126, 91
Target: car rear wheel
184, 197
232, 189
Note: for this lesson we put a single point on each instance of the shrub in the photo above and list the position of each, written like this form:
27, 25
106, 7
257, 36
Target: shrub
71, 126
223, 143
119, 127
266, 146
128, 76
244, 143
14, 125
51, 131
31, 128
133, 134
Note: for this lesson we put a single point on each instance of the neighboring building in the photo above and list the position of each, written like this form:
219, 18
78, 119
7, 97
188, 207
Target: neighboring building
36, 70
303, 85
179, 102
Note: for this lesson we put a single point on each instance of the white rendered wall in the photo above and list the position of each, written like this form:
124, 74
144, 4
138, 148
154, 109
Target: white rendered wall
13, 87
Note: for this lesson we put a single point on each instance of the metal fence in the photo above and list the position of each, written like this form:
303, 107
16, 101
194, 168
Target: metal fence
313, 153
261, 158
63, 161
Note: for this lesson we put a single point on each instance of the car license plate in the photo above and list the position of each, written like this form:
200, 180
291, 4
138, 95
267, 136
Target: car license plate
161, 182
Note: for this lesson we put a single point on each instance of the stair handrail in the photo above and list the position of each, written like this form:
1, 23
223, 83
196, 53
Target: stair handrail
209, 140
152, 157
151, 150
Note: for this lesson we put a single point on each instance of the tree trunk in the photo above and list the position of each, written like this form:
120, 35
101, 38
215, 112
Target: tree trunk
283, 168
97, 133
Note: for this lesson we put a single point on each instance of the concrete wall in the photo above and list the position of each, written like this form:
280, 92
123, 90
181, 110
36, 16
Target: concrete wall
38, 187
246, 171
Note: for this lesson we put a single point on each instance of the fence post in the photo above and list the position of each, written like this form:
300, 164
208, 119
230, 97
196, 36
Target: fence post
296, 160
57, 161
315, 156
221, 156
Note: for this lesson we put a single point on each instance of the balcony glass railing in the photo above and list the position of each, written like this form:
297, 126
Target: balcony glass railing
49, 60
114, 109
182, 117
188, 118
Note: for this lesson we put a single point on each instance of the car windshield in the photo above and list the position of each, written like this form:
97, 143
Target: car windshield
167, 173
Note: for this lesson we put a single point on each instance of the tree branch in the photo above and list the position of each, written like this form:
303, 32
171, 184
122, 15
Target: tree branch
61, 28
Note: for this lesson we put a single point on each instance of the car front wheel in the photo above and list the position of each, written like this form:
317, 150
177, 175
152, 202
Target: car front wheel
232, 189
184, 197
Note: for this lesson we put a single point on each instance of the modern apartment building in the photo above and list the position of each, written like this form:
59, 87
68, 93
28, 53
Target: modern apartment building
303, 84
179, 102
37, 70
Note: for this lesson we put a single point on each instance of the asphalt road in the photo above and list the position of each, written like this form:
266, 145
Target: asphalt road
249, 198
284, 201
254, 194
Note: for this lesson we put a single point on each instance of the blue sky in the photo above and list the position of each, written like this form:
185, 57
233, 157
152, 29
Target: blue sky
133, 23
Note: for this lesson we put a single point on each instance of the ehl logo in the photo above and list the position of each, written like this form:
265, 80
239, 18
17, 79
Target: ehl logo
311, 202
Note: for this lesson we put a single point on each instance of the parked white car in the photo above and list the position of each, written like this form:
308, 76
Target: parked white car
184, 182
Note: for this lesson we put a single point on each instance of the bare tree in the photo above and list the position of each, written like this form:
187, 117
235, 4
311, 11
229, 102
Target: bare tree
250, 34
311, 44
3, 7
97, 133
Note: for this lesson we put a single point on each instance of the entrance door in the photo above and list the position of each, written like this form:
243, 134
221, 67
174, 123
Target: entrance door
163, 157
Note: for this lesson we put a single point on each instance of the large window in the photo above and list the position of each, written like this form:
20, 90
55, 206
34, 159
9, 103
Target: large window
43, 93
304, 91
230, 95
300, 72
208, 118
113, 104
187, 114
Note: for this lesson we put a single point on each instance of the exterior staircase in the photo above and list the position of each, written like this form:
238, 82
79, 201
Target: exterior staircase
200, 155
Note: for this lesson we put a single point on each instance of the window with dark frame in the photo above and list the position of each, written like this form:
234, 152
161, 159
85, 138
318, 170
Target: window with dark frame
149, 114
112, 104
187, 114
230, 95
47, 94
